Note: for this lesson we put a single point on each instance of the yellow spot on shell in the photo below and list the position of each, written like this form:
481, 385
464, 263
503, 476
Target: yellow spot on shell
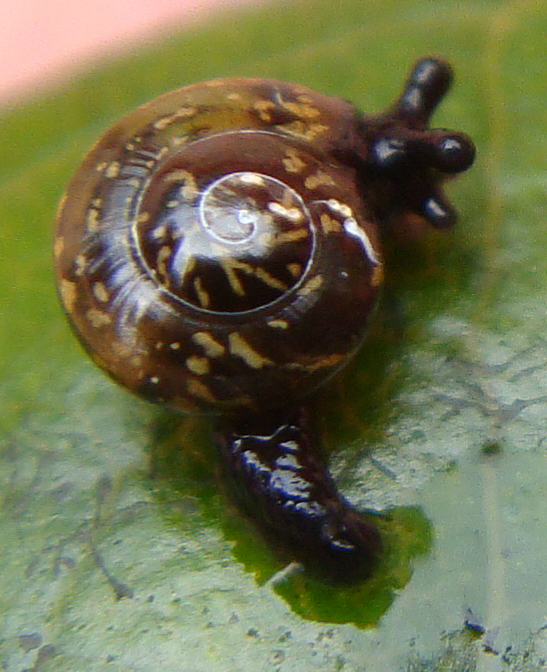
68, 294
278, 324
304, 131
182, 113
175, 345
208, 342
292, 214
198, 365
318, 179
92, 219
293, 163
302, 110
295, 270
80, 263
112, 170
202, 294
239, 347
98, 318
189, 190
291, 236
329, 224
264, 107
311, 286
161, 262
100, 292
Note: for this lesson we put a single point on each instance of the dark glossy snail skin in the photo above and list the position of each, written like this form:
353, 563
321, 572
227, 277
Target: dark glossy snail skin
218, 252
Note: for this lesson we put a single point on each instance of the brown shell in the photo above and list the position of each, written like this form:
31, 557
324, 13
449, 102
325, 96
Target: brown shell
213, 253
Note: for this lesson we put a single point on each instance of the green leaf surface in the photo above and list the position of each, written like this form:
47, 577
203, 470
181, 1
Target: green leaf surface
120, 548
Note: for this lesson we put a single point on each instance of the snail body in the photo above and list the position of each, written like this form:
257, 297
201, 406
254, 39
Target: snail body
218, 252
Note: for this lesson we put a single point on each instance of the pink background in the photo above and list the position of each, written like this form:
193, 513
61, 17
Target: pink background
42, 41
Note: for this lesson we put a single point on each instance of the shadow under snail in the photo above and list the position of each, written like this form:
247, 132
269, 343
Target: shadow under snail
218, 252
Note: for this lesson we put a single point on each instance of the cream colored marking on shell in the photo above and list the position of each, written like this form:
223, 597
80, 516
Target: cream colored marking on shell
100, 293
340, 208
302, 110
292, 214
143, 217
318, 179
293, 163
290, 236
312, 285
101, 166
208, 342
294, 269
129, 146
162, 123
134, 182
154, 379
80, 262
177, 141
92, 220
278, 324
58, 246
262, 274
353, 229
304, 131
172, 204
159, 232
198, 365
181, 113
68, 294
159, 345
162, 152
203, 296
229, 267
163, 257
96, 202
112, 170
98, 318
189, 190
199, 390
252, 178
239, 347
264, 107
233, 95
305, 98
175, 345
329, 224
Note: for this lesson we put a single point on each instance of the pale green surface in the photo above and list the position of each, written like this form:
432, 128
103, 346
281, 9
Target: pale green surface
82, 517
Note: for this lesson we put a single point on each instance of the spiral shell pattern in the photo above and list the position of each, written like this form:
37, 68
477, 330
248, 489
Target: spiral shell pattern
208, 254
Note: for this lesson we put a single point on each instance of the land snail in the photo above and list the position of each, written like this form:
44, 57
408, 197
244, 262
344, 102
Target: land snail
218, 252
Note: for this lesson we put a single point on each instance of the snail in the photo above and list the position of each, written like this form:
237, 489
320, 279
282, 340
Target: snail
218, 252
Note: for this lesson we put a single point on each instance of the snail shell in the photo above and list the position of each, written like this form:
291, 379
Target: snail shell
218, 251
210, 257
